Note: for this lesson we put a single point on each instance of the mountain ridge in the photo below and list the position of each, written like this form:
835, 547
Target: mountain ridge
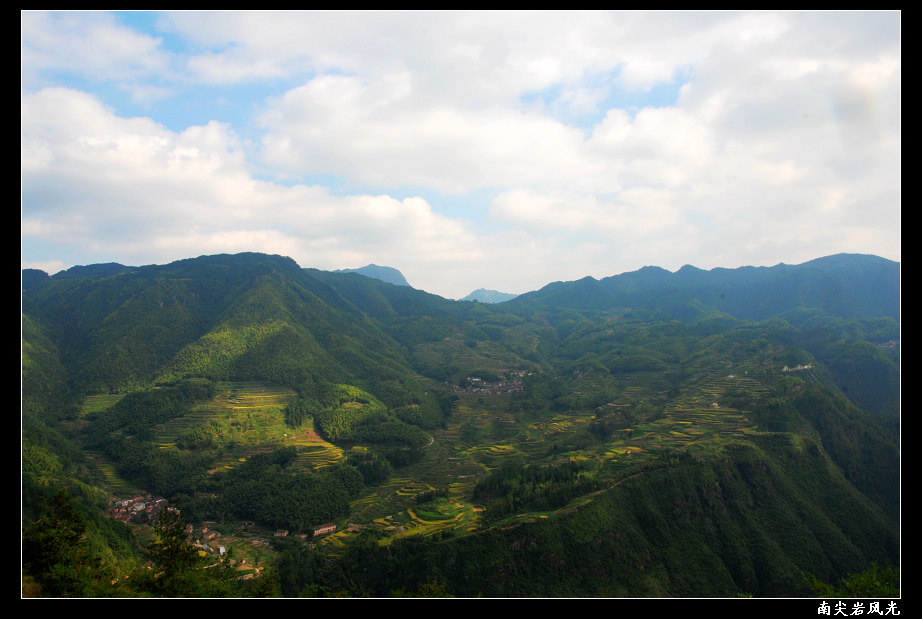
847, 284
687, 275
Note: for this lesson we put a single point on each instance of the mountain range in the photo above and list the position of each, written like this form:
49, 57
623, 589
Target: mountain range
697, 433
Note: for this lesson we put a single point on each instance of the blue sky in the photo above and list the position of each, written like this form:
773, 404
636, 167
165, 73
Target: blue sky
469, 149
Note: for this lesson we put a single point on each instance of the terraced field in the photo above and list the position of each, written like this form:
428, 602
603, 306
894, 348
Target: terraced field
481, 434
240, 414
99, 403
105, 470
243, 418
440, 516
695, 421
313, 452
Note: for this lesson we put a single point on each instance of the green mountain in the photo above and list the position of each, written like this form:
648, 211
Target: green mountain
703, 434
846, 285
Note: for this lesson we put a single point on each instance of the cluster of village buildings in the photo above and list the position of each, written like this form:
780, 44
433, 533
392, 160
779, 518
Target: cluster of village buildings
514, 382
145, 509
206, 540
322, 529
140, 509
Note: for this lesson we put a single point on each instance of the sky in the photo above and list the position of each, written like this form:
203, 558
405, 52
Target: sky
499, 150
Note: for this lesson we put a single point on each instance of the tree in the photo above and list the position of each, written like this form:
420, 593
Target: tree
54, 549
179, 569
169, 550
874, 582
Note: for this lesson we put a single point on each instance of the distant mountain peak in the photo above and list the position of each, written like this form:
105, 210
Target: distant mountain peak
482, 295
389, 275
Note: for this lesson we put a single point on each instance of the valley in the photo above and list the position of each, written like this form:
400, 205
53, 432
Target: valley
647, 445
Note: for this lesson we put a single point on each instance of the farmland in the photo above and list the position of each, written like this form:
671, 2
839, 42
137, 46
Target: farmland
482, 434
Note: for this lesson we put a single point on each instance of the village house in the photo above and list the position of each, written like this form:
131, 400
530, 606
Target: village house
137, 509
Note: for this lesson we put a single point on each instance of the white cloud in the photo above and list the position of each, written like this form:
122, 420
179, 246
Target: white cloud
89, 44
783, 144
131, 188
380, 135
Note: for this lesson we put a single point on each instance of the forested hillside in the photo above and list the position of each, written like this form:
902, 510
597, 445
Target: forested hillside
653, 434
